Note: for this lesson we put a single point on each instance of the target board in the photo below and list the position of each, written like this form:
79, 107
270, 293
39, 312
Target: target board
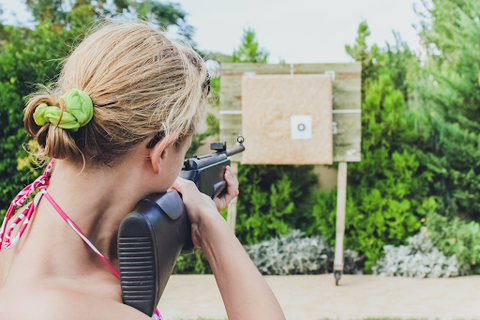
295, 124
287, 119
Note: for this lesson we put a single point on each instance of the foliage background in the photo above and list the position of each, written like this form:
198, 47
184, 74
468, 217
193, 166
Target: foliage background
420, 131
420, 156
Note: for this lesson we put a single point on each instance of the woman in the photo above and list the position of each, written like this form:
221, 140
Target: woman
118, 121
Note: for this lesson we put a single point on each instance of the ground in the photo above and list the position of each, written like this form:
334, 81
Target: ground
317, 297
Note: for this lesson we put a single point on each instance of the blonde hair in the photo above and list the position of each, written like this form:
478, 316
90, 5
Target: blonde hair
140, 83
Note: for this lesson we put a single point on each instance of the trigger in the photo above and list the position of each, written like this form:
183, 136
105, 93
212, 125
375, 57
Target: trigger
218, 188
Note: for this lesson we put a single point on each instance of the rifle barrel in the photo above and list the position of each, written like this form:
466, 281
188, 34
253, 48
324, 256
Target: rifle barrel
237, 149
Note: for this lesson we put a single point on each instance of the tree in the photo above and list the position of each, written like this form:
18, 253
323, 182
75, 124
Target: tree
447, 103
420, 137
361, 52
387, 192
162, 14
249, 50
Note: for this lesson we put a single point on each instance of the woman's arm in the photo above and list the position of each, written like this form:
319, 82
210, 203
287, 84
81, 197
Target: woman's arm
244, 291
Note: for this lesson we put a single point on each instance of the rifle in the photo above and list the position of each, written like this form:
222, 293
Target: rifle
153, 235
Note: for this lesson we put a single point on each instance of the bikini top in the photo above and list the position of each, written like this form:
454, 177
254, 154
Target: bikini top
26, 216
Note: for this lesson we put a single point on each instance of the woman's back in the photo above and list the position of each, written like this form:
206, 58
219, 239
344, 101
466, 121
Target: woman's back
50, 274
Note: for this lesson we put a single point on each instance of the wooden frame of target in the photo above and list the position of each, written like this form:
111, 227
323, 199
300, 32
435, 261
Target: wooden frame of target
346, 122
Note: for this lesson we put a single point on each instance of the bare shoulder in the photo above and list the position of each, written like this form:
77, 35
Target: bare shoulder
73, 305
61, 304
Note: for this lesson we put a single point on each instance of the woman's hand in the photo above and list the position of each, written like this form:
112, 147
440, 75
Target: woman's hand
232, 190
200, 208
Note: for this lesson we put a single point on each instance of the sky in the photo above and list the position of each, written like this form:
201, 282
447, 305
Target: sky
296, 31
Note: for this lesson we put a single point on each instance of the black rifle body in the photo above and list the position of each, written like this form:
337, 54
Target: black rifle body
153, 235
207, 171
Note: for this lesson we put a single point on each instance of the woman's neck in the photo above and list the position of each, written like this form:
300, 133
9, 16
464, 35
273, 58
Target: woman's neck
96, 201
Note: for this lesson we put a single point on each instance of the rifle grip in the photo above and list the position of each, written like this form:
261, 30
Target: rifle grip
218, 188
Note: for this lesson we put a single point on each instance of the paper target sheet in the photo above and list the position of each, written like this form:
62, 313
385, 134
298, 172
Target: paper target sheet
287, 119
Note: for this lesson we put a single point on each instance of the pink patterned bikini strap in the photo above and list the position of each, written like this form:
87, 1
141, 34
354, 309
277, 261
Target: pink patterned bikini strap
77, 230
41, 183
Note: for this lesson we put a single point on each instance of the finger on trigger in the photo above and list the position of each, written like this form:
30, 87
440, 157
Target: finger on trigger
227, 175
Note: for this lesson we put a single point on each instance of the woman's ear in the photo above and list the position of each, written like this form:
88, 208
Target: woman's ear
159, 151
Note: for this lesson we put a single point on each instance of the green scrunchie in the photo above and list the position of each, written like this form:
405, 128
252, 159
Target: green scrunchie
79, 111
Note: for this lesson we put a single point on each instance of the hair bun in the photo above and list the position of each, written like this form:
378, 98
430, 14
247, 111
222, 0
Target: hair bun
53, 141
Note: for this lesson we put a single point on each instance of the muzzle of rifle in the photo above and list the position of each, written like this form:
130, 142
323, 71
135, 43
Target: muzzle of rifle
237, 149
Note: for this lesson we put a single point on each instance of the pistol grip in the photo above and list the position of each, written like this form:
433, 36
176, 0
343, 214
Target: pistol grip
218, 188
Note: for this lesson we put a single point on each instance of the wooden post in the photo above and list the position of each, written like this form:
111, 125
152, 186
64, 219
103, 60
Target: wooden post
232, 206
340, 230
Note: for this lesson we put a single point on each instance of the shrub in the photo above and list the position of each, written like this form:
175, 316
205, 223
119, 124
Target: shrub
192, 263
419, 259
272, 200
456, 238
296, 254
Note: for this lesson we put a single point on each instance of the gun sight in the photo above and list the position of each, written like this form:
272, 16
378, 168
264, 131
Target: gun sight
221, 147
